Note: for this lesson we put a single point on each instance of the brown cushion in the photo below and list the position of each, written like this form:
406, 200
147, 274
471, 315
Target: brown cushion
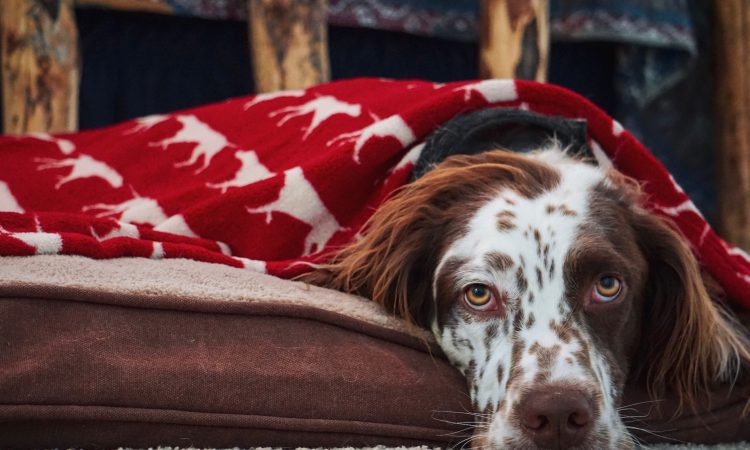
137, 353
720, 419
95, 355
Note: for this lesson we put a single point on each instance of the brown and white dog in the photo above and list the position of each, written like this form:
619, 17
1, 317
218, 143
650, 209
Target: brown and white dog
548, 285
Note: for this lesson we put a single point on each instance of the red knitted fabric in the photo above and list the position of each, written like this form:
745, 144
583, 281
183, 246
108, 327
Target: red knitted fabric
266, 181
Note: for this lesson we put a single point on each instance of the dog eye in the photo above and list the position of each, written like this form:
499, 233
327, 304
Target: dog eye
607, 289
477, 295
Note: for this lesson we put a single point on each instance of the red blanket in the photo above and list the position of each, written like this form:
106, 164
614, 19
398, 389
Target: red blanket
267, 181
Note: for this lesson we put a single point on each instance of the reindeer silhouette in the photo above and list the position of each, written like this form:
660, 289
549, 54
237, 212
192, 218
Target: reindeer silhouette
393, 126
208, 141
322, 108
136, 210
144, 123
250, 171
493, 91
65, 146
299, 199
261, 98
83, 166
8, 202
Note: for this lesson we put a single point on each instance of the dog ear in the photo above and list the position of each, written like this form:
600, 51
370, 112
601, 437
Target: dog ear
394, 261
391, 262
688, 342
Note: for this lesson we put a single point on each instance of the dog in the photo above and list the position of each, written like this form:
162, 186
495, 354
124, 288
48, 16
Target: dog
547, 283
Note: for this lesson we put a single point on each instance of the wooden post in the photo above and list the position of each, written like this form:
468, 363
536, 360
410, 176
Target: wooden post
151, 6
40, 72
732, 50
514, 39
288, 42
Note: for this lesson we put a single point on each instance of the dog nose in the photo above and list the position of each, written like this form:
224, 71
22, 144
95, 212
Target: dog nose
556, 417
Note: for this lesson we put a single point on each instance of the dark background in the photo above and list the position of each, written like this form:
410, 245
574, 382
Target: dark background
136, 64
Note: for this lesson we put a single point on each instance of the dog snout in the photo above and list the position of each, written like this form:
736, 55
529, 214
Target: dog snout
556, 417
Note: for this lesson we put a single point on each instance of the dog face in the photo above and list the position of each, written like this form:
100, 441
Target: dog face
537, 304
546, 284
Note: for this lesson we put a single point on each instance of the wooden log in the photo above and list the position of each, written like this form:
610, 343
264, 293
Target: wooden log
732, 52
40, 71
288, 43
514, 39
150, 6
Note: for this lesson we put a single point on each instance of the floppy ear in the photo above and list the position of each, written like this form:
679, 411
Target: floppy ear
390, 263
689, 343
394, 261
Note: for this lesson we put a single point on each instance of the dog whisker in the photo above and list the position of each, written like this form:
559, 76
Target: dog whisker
468, 440
470, 413
658, 435
456, 433
626, 416
630, 405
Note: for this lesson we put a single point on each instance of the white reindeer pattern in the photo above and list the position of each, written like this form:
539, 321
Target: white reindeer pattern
208, 141
322, 108
250, 171
65, 146
8, 201
262, 98
83, 166
393, 126
493, 91
299, 199
136, 210
144, 123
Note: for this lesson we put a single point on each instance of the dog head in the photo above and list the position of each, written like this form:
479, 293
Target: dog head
547, 284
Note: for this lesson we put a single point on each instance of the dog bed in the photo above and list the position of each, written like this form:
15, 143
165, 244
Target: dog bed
136, 352
130, 318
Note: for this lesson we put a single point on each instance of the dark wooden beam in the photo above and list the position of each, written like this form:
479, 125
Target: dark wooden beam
514, 39
40, 70
150, 6
289, 43
732, 50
